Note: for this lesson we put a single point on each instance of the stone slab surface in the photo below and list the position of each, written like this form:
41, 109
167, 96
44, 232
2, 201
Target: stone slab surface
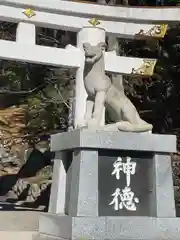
113, 140
19, 221
121, 228
18, 235
46, 237
55, 225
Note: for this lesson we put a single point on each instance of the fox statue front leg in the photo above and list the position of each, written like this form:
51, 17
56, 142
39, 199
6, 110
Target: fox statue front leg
94, 111
89, 111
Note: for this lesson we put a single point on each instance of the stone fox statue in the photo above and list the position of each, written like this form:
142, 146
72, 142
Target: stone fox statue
102, 92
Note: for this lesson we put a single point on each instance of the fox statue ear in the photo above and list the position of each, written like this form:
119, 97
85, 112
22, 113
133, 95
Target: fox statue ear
102, 45
86, 45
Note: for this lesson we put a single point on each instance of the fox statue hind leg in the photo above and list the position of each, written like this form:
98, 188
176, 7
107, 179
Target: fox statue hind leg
123, 112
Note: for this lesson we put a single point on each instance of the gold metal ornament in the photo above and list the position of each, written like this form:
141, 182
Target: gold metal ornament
146, 69
94, 22
29, 13
157, 31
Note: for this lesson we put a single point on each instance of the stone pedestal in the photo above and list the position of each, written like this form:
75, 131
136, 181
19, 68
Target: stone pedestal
81, 203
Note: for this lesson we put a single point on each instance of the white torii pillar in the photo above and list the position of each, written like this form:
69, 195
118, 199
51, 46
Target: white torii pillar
92, 35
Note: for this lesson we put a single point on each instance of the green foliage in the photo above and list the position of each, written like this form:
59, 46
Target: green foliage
46, 113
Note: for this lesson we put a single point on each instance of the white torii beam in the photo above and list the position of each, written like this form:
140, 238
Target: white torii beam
115, 13
75, 23
68, 58
25, 52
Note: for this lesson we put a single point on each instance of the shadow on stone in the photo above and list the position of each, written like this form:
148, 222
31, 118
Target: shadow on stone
35, 163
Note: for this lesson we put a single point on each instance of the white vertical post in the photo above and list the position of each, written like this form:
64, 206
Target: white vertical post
58, 188
92, 35
26, 33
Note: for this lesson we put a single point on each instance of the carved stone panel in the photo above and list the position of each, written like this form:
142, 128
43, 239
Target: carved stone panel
125, 183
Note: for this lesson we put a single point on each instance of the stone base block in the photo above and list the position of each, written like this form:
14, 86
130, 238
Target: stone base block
54, 226
19, 221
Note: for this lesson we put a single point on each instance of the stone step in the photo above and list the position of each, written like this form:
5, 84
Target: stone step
17, 235
46, 237
18, 221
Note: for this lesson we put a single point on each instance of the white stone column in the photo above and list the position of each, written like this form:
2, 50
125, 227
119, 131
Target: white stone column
26, 33
92, 35
58, 187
